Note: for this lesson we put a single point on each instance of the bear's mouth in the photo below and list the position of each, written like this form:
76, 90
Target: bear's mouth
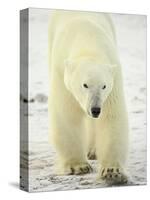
95, 116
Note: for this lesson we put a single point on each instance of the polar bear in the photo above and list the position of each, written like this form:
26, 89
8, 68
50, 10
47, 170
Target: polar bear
86, 100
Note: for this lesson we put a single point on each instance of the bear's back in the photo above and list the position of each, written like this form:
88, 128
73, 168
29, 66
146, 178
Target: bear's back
60, 19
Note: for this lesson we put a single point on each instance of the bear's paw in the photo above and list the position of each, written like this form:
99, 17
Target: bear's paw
78, 169
92, 154
113, 175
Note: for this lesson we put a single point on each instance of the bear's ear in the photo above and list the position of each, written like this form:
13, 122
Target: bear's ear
113, 68
68, 71
69, 64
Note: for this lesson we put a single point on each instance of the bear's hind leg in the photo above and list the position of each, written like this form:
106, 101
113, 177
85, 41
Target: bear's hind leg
91, 139
92, 154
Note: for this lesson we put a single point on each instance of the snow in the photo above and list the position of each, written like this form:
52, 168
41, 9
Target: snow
131, 37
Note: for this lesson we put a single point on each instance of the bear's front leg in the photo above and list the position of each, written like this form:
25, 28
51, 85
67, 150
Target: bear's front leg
112, 148
69, 142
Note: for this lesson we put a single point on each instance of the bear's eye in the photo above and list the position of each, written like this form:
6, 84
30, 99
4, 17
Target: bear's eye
85, 85
104, 86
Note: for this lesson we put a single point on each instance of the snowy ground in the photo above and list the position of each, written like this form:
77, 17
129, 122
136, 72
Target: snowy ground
131, 36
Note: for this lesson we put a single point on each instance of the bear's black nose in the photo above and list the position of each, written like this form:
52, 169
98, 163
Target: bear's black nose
95, 111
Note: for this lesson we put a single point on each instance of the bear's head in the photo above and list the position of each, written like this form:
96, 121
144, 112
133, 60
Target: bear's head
90, 83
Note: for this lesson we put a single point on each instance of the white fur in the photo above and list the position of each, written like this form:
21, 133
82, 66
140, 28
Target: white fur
83, 50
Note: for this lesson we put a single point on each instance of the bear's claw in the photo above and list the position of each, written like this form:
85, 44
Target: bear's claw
113, 176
